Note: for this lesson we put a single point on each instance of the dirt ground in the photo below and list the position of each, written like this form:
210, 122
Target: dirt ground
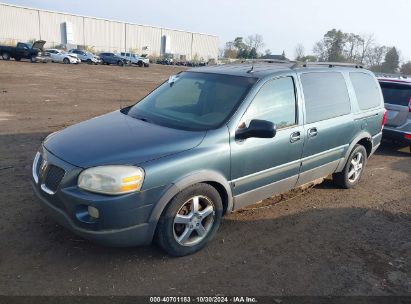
322, 241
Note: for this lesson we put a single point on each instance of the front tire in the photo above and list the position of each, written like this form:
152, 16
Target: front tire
120, 63
353, 169
33, 59
66, 61
190, 220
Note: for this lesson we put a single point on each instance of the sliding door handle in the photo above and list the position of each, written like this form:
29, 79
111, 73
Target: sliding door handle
296, 136
312, 132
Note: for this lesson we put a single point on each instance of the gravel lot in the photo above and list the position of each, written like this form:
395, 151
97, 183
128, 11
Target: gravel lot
321, 241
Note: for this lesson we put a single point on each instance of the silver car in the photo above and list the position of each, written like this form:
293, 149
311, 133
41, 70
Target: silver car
86, 56
397, 99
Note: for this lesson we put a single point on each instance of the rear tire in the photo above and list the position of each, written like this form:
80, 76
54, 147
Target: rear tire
66, 61
353, 169
190, 220
17, 59
5, 56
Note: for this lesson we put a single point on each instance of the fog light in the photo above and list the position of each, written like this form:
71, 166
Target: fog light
93, 212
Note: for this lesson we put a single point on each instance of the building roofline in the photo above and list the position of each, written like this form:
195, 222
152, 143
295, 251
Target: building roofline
105, 19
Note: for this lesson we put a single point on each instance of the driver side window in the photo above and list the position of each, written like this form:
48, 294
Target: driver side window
275, 102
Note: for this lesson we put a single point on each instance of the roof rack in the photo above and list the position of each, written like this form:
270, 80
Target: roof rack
331, 64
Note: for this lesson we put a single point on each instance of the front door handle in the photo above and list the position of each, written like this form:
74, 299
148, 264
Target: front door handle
296, 136
312, 132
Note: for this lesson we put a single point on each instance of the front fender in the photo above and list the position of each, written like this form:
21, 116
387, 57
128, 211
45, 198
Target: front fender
181, 184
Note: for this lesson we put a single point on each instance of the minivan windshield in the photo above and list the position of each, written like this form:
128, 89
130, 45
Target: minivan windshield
193, 100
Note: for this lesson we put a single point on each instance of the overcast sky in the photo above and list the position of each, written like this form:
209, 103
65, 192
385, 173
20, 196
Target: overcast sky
283, 24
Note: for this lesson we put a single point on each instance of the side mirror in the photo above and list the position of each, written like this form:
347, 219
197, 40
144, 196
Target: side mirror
257, 129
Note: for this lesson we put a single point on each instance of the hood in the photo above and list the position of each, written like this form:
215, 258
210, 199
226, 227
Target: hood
39, 44
116, 138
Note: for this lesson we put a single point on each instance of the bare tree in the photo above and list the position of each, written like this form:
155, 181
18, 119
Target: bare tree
299, 52
230, 50
255, 41
367, 43
375, 57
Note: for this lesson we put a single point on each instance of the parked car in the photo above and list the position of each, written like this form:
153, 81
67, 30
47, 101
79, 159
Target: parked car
397, 99
85, 56
32, 51
135, 59
111, 58
63, 56
204, 143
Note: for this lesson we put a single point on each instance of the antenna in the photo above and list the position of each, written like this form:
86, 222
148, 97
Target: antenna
252, 69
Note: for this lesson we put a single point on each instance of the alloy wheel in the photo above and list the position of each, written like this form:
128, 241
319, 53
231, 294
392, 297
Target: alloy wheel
355, 168
194, 220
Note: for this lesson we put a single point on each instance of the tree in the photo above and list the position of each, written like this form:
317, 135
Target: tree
331, 47
238, 48
391, 62
375, 58
267, 52
253, 53
255, 41
230, 51
309, 58
366, 46
344, 47
299, 52
243, 50
406, 68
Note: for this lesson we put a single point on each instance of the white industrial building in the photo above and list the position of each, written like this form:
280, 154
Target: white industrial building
63, 29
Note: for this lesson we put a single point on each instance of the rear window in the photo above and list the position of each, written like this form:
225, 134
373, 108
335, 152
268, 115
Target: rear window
326, 96
396, 93
366, 90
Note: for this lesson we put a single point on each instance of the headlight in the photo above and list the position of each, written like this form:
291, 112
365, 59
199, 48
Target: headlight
112, 180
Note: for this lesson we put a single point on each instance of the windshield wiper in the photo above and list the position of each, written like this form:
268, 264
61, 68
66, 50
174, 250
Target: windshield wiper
142, 119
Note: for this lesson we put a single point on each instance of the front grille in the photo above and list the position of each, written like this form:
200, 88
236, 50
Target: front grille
53, 177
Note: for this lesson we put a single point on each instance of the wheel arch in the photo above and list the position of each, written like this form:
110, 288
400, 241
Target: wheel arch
212, 178
364, 139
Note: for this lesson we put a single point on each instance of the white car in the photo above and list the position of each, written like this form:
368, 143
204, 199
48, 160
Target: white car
135, 59
86, 56
62, 56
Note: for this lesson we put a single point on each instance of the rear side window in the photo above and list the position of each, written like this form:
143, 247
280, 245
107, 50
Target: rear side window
326, 96
396, 93
366, 90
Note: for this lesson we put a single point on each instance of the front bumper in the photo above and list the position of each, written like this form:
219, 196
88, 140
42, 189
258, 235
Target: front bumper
74, 61
124, 237
123, 221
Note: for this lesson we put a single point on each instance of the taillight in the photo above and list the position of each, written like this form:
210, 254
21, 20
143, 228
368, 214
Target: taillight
384, 119
409, 105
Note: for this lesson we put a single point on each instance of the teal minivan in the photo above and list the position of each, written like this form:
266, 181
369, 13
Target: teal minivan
206, 142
